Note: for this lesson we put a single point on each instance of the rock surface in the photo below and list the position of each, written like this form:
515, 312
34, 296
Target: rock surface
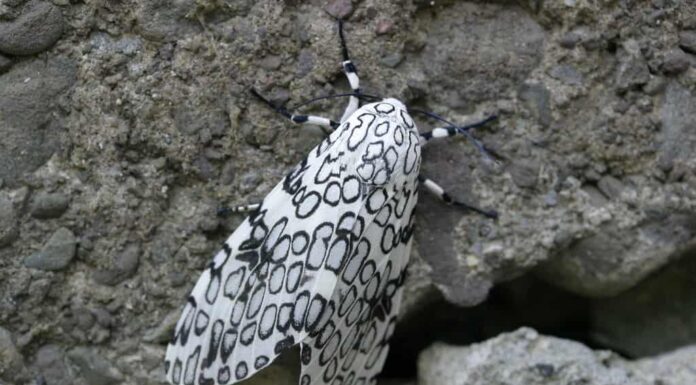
526, 357
56, 254
9, 228
133, 122
47, 205
50, 363
654, 317
31, 125
11, 361
36, 29
93, 368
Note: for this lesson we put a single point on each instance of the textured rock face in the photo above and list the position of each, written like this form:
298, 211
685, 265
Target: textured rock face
37, 27
125, 125
526, 357
654, 317
30, 116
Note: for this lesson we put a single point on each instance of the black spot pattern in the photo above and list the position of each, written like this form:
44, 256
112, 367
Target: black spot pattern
308, 266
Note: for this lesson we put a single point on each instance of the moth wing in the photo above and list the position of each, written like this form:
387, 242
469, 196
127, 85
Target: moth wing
352, 344
262, 293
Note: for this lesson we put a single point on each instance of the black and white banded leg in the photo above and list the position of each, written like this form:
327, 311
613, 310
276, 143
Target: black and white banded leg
438, 191
225, 211
352, 75
327, 125
446, 132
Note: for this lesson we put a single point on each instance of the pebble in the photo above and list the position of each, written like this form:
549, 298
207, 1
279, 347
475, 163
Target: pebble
537, 98
687, 41
632, 73
675, 62
30, 91
384, 26
103, 317
305, 62
229, 172
9, 228
121, 267
339, 9
270, 62
610, 187
49, 205
570, 40
11, 362
56, 254
567, 74
163, 20
36, 29
94, 368
525, 173
50, 360
392, 60
656, 85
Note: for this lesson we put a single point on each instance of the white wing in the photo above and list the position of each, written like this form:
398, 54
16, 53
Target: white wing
350, 348
274, 283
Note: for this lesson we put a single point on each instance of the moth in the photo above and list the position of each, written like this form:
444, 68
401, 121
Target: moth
321, 261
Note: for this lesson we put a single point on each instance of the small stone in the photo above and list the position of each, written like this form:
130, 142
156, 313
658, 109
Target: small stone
551, 198
392, 60
31, 133
632, 74
525, 173
384, 26
36, 29
208, 223
675, 62
120, 267
56, 254
166, 20
94, 368
655, 85
305, 62
11, 362
5, 64
163, 332
177, 278
339, 9
229, 172
50, 360
570, 40
103, 317
522, 357
687, 41
537, 99
567, 74
49, 205
270, 62
610, 187
279, 96
9, 228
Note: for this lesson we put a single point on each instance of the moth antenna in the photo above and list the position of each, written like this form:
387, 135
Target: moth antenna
282, 110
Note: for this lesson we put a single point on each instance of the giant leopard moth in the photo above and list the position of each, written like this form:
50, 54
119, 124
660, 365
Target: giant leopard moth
320, 261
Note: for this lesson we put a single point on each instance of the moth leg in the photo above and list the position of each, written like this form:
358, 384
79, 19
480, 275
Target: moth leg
438, 191
352, 75
446, 132
327, 125
226, 211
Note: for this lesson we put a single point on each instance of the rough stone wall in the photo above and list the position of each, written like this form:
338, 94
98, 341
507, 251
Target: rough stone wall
125, 124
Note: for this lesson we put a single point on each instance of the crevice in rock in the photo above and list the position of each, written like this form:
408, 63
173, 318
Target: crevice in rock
526, 301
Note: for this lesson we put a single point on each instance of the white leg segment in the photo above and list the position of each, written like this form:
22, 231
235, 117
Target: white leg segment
439, 192
354, 81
